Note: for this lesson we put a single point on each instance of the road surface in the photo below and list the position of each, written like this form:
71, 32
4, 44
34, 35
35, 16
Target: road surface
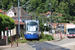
65, 44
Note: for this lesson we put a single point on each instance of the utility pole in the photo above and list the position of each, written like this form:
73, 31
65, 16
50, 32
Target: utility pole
18, 19
51, 11
18, 23
26, 14
35, 16
50, 15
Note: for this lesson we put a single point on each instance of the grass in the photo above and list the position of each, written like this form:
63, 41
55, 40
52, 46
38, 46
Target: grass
42, 38
24, 40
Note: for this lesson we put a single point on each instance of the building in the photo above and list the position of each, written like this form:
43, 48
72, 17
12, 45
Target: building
2, 12
48, 14
54, 25
22, 29
13, 13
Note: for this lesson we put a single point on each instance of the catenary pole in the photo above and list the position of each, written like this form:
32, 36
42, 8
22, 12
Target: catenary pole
18, 23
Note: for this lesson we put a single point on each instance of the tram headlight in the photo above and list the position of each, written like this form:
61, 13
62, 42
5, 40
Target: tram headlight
35, 33
27, 33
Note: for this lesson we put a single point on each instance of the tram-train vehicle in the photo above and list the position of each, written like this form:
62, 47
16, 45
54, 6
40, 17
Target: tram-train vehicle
32, 29
70, 31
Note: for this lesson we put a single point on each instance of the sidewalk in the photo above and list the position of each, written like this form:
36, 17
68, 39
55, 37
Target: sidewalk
23, 46
5, 46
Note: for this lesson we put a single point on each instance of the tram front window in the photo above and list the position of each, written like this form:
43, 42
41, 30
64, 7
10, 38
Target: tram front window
71, 31
32, 26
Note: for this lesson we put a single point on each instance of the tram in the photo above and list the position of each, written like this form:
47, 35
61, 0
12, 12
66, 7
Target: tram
32, 29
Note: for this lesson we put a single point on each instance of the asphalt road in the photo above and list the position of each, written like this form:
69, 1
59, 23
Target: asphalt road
52, 45
62, 42
45, 46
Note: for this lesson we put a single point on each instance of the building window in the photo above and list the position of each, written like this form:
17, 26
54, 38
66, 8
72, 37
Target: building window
23, 21
15, 13
48, 14
23, 14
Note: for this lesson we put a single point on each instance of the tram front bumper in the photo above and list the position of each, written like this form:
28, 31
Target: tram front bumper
31, 36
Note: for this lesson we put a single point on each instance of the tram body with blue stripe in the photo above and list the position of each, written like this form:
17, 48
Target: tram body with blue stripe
32, 29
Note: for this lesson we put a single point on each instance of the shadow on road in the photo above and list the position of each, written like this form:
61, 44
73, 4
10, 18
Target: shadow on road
45, 46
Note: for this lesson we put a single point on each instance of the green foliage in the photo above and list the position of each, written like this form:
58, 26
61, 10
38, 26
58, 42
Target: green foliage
48, 37
74, 18
41, 27
42, 35
9, 39
74, 22
42, 38
65, 7
64, 21
47, 28
22, 35
6, 21
23, 41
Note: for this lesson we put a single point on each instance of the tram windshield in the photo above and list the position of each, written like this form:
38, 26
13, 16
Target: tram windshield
71, 31
32, 26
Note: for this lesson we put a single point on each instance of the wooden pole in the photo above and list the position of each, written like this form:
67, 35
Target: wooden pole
7, 38
11, 38
17, 39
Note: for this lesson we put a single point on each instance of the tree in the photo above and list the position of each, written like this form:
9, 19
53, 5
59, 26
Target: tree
6, 21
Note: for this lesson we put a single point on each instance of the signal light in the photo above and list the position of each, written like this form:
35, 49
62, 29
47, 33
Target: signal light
27, 33
36, 33
6, 28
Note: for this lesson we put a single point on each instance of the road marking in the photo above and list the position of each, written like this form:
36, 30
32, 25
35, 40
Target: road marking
32, 45
34, 48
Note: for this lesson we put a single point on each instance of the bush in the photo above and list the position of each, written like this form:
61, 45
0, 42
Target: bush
22, 41
42, 35
22, 35
9, 39
48, 37
64, 21
47, 28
